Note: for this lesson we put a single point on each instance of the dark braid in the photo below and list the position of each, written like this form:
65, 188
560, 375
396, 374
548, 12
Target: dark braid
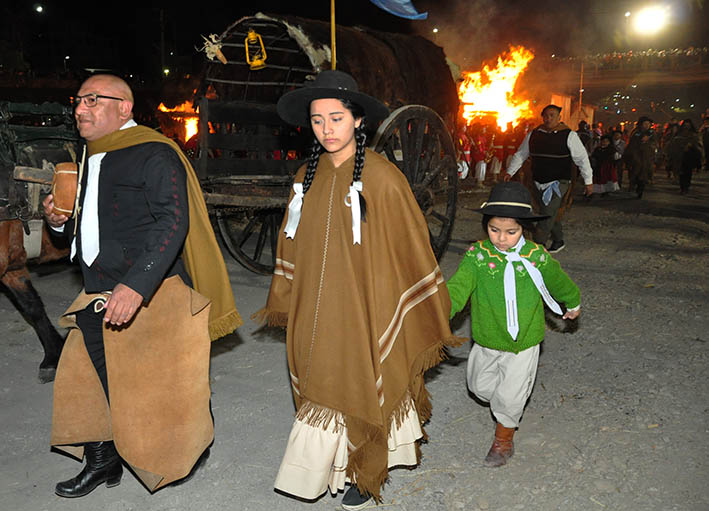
361, 138
315, 151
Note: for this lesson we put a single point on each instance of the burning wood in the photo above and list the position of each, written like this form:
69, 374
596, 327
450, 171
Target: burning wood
186, 115
490, 93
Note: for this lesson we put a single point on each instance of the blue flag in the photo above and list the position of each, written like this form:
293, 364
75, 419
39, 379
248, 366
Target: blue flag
401, 8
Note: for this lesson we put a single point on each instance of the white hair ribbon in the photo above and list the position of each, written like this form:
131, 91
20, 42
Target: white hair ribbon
296, 204
355, 189
511, 287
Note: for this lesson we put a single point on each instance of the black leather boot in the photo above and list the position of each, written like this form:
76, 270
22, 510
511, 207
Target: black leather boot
103, 465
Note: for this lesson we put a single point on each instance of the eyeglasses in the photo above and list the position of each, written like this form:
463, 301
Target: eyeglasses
90, 100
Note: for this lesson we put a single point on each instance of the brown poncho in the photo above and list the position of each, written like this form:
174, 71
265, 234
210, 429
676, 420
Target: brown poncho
363, 321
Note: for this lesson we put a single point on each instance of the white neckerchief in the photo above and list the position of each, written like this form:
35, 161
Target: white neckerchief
294, 208
296, 205
89, 211
547, 190
511, 286
355, 190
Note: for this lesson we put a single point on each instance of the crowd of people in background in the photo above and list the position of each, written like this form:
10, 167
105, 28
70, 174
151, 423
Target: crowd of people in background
637, 150
670, 59
642, 149
683, 150
485, 150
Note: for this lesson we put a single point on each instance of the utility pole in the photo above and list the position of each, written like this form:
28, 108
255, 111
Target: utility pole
581, 90
162, 42
333, 60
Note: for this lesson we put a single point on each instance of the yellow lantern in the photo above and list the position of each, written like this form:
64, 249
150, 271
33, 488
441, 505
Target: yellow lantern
256, 58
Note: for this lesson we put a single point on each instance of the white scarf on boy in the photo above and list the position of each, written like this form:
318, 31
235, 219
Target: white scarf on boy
511, 286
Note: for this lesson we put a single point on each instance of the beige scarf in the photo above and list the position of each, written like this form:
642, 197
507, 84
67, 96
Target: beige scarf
201, 254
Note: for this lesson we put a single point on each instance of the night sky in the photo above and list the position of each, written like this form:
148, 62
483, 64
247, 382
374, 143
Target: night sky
489, 26
469, 30
476, 30
125, 39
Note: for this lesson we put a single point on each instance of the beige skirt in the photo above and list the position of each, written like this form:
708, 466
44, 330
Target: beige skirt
316, 458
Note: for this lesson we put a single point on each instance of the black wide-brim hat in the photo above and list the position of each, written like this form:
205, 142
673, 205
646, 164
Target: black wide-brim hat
510, 199
294, 106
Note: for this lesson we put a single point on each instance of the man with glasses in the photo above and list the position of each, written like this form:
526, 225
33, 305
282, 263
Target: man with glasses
133, 380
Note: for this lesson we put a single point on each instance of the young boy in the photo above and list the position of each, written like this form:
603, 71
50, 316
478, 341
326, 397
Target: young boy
506, 278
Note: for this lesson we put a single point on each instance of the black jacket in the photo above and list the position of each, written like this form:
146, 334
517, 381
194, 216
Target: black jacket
143, 220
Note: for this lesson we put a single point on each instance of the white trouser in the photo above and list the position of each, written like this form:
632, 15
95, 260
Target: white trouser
480, 168
503, 379
496, 166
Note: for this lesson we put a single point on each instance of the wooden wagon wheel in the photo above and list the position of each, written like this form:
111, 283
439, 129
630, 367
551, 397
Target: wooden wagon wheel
417, 141
251, 236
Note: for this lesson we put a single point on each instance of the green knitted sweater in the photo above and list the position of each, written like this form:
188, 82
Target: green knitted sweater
480, 277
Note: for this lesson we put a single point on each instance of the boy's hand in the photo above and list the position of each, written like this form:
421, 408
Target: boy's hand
572, 314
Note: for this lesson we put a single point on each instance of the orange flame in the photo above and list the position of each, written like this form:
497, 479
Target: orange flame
186, 114
191, 127
490, 92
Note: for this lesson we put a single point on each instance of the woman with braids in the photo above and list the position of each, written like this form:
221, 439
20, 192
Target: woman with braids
359, 290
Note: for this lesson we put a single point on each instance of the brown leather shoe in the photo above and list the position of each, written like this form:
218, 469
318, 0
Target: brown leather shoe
502, 448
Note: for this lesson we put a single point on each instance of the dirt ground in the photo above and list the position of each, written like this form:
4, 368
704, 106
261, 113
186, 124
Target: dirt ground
618, 419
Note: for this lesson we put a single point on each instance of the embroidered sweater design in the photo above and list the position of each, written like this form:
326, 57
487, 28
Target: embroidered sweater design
480, 278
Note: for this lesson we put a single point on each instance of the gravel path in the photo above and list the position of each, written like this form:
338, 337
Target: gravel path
618, 419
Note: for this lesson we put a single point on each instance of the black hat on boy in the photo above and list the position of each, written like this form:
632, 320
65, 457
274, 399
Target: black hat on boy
510, 199
293, 107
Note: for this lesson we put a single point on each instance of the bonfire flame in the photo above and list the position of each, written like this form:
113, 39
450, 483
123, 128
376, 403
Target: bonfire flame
186, 114
191, 127
490, 92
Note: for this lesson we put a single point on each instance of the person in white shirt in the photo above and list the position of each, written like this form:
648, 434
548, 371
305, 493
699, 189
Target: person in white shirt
554, 148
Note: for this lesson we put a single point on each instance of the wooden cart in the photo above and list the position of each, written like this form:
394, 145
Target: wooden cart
246, 155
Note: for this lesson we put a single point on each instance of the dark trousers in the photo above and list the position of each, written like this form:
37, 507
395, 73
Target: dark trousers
619, 172
550, 226
91, 325
639, 187
685, 179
